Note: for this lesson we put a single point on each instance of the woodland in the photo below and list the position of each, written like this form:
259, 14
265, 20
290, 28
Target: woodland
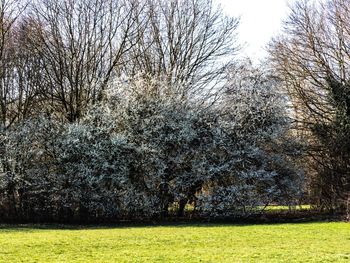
143, 110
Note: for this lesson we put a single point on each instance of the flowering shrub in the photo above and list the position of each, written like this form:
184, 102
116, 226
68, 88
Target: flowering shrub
146, 150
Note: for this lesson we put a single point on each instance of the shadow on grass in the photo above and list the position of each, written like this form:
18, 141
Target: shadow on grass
31, 227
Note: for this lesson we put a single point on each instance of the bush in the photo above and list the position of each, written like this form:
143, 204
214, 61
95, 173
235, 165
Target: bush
144, 149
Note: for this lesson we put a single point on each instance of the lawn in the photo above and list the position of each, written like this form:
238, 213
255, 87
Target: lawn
302, 242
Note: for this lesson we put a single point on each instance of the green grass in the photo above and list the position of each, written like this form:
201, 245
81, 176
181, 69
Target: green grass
303, 242
269, 209
281, 208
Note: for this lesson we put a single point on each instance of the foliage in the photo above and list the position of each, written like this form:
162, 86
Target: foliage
144, 149
262, 150
114, 110
28, 166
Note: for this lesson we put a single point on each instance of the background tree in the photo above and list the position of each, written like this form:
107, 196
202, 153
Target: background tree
312, 57
81, 44
11, 93
189, 43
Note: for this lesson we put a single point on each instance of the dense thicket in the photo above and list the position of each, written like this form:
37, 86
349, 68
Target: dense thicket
144, 152
137, 110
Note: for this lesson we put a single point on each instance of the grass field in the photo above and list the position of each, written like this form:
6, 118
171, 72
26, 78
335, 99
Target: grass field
303, 242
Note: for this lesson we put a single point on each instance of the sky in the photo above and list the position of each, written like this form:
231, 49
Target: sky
260, 20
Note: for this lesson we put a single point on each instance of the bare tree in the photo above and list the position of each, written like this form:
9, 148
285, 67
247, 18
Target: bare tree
10, 93
312, 57
81, 44
188, 43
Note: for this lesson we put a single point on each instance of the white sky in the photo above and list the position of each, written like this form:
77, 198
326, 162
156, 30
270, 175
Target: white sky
260, 20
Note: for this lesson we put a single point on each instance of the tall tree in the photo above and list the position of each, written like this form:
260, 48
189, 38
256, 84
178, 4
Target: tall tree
186, 43
312, 57
81, 44
10, 92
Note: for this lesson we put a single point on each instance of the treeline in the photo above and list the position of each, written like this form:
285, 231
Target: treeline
60, 56
114, 110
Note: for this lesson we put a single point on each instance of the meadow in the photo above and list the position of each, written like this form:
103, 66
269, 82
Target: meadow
292, 242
